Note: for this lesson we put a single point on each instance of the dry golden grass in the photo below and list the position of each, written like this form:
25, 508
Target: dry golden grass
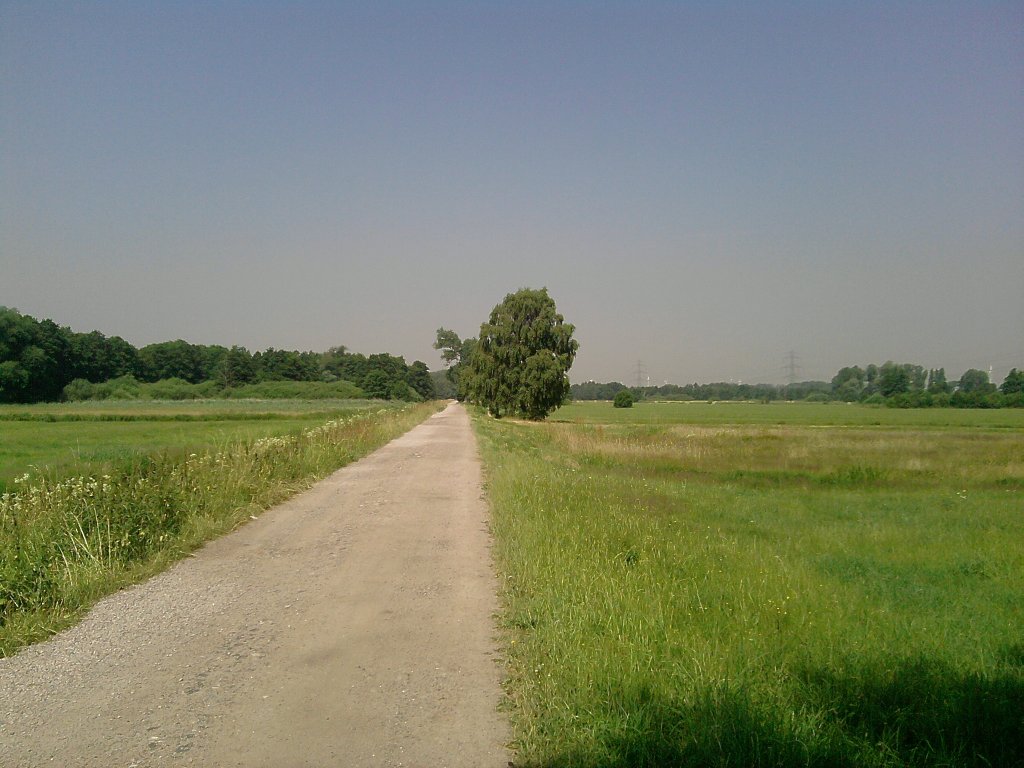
902, 457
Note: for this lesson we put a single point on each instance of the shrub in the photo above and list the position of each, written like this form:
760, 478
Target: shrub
121, 388
377, 385
623, 399
402, 391
79, 389
301, 390
1014, 400
172, 389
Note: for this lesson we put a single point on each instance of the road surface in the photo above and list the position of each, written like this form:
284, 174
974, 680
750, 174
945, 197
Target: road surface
350, 626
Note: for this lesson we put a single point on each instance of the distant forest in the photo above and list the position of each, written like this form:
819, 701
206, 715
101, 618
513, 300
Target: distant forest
42, 361
898, 385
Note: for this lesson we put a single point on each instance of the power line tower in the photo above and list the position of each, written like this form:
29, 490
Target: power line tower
791, 367
640, 374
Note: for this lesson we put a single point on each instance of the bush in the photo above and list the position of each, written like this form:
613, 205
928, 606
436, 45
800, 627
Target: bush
623, 399
1014, 400
172, 389
79, 389
962, 399
296, 390
377, 385
121, 388
402, 391
911, 400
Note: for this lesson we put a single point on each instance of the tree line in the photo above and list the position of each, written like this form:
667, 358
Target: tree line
907, 385
721, 390
898, 385
518, 365
42, 361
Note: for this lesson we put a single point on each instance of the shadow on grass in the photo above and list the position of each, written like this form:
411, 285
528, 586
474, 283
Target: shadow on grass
928, 713
916, 713
725, 729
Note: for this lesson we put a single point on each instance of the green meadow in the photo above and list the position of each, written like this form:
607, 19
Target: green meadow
62, 439
687, 584
102, 496
790, 414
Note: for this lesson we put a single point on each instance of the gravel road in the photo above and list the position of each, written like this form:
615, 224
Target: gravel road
350, 626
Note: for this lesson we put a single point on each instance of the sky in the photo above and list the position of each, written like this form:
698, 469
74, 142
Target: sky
703, 187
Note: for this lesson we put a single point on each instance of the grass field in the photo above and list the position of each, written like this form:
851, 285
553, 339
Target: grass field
790, 414
89, 437
121, 491
746, 584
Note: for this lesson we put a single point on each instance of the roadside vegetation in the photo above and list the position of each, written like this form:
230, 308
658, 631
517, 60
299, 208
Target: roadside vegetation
151, 486
92, 438
687, 585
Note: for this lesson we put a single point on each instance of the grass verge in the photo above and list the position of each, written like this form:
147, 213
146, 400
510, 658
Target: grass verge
663, 608
65, 543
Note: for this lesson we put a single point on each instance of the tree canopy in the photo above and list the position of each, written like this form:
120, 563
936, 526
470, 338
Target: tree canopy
455, 353
1013, 384
974, 380
522, 358
40, 360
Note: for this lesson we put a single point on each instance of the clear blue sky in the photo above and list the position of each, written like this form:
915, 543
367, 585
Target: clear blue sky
701, 186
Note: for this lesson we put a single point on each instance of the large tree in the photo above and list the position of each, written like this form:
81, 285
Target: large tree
237, 368
848, 384
893, 379
522, 357
937, 384
1013, 383
974, 380
99, 358
180, 360
419, 379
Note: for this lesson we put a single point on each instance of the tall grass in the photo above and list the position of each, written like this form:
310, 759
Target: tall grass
127, 388
202, 409
66, 542
746, 597
791, 414
87, 438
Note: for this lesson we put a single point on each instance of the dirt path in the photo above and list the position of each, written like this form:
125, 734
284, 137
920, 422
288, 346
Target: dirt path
351, 626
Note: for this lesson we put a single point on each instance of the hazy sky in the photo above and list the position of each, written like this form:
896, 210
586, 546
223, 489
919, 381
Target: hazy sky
701, 186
